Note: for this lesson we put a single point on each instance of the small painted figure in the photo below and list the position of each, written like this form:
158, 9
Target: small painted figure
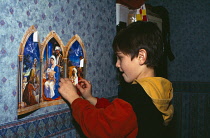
28, 94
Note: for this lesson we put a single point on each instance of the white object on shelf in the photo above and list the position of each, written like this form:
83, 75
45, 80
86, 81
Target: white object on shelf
121, 13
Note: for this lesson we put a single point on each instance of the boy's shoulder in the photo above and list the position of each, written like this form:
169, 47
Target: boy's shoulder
157, 87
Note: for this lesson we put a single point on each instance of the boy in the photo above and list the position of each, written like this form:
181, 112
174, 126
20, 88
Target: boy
143, 107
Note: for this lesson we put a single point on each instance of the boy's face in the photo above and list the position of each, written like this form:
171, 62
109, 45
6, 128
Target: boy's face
131, 69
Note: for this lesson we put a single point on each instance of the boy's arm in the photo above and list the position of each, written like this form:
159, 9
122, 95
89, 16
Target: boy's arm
85, 89
102, 103
68, 90
105, 122
86, 93
92, 100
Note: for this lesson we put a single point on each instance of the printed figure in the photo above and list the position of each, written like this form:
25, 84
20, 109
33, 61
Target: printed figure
49, 85
59, 59
74, 77
53, 75
28, 94
58, 56
24, 83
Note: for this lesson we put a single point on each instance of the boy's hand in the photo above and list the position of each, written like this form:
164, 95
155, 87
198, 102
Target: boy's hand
85, 87
68, 90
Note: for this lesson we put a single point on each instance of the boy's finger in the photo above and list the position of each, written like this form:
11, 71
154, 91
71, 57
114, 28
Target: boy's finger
83, 80
62, 80
66, 79
79, 87
60, 83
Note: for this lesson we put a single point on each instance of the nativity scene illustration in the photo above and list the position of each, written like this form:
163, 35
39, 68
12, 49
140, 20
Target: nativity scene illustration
41, 65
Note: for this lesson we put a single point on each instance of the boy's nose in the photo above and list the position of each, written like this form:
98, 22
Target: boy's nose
117, 64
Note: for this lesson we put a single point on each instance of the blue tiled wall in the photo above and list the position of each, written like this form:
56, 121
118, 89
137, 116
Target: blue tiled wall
189, 28
93, 20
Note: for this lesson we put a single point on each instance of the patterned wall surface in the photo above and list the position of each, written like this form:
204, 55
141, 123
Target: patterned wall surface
190, 43
94, 21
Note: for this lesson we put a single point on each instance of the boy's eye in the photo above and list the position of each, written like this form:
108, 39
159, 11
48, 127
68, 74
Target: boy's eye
118, 57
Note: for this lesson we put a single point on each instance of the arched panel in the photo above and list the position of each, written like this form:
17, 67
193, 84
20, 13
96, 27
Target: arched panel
76, 59
29, 72
52, 69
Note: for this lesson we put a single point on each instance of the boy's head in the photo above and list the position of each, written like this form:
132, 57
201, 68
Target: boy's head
140, 35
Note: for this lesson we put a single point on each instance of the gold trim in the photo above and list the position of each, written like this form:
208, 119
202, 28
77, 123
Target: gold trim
28, 109
20, 57
50, 103
39, 105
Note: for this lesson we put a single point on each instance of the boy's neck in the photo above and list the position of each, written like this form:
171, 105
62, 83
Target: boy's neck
148, 72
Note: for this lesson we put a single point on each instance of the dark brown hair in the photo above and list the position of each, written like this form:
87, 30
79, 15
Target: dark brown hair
140, 35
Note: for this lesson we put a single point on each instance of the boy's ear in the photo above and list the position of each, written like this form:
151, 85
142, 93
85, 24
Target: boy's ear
142, 56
